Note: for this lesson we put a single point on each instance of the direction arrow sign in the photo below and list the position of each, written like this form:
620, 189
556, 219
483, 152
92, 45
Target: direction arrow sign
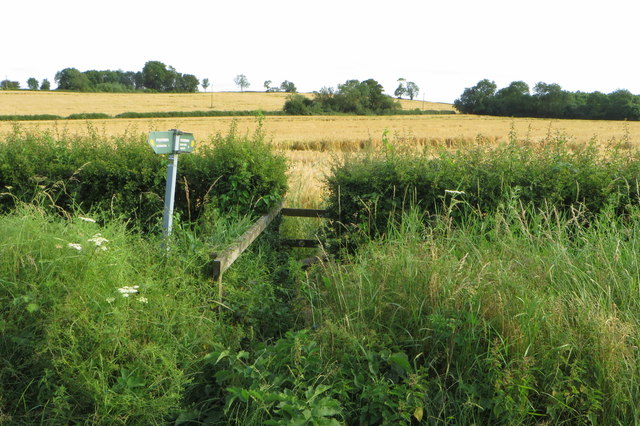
187, 143
161, 142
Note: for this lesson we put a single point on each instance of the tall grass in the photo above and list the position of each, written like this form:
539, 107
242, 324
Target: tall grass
99, 325
518, 317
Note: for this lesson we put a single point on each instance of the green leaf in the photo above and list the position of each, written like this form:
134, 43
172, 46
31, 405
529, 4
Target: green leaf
401, 360
326, 407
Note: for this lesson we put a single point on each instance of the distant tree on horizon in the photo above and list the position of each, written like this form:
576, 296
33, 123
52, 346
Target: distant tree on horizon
242, 82
408, 88
32, 83
9, 85
289, 87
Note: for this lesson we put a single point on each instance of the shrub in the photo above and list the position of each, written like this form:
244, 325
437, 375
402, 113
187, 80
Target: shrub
366, 192
298, 105
122, 176
88, 116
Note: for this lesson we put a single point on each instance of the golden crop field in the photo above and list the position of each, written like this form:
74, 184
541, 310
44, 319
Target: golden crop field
67, 103
308, 141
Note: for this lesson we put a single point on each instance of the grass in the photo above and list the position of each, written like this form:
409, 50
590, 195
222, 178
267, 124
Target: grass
520, 316
102, 325
516, 316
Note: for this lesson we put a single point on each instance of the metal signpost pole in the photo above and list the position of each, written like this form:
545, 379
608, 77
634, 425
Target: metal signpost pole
170, 189
172, 142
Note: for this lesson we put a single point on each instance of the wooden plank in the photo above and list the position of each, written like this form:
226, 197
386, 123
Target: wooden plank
309, 261
300, 243
225, 259
304, 212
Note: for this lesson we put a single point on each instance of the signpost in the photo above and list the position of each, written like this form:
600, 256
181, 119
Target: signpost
172, 142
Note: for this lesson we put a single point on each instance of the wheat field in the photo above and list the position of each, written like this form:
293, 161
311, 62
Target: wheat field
67, 103
309, 142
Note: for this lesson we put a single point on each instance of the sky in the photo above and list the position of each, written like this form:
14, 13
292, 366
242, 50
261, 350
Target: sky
443, 46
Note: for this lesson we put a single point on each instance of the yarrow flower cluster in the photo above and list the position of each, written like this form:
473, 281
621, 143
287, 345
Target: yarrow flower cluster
87, 219
453, 192
75, 246
126, 290
99, 241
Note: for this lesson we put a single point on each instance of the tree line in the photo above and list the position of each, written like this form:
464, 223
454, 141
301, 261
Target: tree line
547, 101
155, 77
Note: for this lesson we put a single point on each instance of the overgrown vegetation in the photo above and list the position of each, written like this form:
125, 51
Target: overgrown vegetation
122, 177
547, 101
509, 304
368, 190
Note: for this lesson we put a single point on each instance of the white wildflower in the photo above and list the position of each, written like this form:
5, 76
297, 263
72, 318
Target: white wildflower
127, 290
110, 299
453, 192
87, 219
75, 246
143, 299
98, 240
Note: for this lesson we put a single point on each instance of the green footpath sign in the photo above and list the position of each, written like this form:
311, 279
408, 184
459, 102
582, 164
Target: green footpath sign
172, 142
163, 142
187, 143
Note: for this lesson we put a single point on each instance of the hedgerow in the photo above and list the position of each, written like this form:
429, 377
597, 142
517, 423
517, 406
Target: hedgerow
367, 191
122, 177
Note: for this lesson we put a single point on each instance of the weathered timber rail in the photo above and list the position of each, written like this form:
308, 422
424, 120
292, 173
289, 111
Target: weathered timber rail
222, 261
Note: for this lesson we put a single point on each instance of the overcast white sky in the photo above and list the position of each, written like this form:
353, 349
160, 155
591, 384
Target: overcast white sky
443, 46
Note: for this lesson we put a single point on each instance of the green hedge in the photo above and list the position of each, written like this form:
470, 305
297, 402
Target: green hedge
123, 177
365, 192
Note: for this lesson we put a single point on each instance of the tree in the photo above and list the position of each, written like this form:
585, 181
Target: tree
623, 105
355, 97
477, 99
32, 83
401, 88
411, 89
186, 83
45, 85
289, 87
298, 105
241, 81
267, 85
72, 79
155, 76
205, 83
9, 85
514, 100
551, 100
